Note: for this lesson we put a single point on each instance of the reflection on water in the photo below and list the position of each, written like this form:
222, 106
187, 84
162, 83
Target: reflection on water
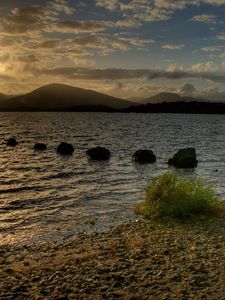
45, 196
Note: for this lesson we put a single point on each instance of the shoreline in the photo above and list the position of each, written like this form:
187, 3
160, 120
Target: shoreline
138, 260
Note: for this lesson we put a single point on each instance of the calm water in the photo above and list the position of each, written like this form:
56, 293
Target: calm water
44, 196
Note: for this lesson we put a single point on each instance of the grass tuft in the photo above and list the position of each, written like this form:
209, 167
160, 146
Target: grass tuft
170, 195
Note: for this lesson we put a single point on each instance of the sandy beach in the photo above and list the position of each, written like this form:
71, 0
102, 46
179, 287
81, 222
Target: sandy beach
140, 260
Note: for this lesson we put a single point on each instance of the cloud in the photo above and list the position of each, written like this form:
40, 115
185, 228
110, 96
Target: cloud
135, 91
105, 44
81, 26
173, 46
6, 78
135, 41
214, 2
221, 36
47, 44
157, 10
134, 5
28, 59
172, 4
34, 18
212, 93
4, 57
187, 90
58, 40
108, 4
209, 66
61, 6
204, 18
129, 74
155, 15
128, 23
213, 48
74, 51
136, 12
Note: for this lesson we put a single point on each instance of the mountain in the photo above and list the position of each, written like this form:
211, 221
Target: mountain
163, 97
58, 97
4, 97
63, 97
138, 100
170, 97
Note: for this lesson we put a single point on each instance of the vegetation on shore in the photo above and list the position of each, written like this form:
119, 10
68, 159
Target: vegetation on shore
140, 260
170, 195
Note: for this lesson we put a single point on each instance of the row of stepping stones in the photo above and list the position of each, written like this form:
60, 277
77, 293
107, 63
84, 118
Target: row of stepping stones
184, 158
98, 153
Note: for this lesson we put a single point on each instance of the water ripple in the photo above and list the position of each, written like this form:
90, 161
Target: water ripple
44, 196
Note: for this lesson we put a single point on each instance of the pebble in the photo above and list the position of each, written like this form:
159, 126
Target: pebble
136, 261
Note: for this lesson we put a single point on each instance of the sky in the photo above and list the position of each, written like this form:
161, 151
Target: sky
125, 48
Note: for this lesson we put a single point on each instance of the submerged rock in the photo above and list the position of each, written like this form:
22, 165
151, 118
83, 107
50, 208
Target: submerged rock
99, 153
144, 157
40, 147
11, 142
184, 159
65, 149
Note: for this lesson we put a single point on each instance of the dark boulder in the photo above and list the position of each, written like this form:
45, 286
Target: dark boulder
11, 142
99, 153
144, 157
40, 147
65, 149
184, 159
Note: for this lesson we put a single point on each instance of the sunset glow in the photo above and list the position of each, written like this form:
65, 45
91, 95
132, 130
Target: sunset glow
134, 48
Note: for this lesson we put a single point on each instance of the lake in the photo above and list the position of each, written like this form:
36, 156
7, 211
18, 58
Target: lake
47, 197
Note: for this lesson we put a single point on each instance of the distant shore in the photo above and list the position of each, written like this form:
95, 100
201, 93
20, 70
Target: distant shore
140, 260
193, 107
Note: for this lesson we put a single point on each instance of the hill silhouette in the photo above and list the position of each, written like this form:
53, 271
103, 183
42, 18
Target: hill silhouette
4, 97
162, 97
59, 97
174, 103
170, 97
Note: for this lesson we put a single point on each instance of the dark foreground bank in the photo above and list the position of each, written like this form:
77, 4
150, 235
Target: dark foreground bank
142, 260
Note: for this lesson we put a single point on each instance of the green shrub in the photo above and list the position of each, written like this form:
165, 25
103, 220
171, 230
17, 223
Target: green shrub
170, 195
